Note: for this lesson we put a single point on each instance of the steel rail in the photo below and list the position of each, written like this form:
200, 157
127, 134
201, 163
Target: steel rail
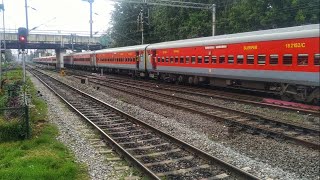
235, 122
182, 144
227, 97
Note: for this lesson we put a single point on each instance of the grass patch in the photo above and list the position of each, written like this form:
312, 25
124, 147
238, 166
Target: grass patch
41, 156
10, 131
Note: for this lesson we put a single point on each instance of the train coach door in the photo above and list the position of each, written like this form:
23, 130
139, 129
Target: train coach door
142, 61
153, 59
137, 60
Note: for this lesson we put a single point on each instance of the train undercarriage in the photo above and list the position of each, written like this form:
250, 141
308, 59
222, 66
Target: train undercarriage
287, 92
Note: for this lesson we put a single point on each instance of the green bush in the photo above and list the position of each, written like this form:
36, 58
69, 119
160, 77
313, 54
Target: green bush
11, 130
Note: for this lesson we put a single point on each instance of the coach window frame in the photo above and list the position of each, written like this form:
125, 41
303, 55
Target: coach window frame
316, 59
181, 59
187, 59
240, 57
176, 59
193, 59
222, 59
301, 61
171, 60
199, 59
287, 59
272, 58
167, 59
250, 59
213, 59
230, 59
206, 59
262, 59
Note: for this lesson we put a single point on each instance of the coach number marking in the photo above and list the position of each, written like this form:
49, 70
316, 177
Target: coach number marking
246, 48
295, 45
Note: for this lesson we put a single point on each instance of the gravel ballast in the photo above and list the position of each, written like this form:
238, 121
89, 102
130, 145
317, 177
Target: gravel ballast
72, 133
267, 158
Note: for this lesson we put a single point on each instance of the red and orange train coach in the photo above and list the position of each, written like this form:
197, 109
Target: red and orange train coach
125, 60
46, 60
285, 61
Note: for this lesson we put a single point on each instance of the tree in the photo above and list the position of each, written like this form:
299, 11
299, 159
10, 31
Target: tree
8, 55
124, 30
233, 16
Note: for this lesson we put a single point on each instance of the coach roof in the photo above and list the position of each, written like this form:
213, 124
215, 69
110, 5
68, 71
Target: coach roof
264, 35
123, 49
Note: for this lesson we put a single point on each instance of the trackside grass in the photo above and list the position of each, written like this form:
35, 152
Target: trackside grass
41, 156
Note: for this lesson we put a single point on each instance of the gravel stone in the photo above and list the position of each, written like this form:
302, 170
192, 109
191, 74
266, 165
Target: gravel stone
71, 133
266, 158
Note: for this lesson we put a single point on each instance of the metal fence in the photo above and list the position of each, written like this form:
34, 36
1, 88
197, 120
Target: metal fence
14, 123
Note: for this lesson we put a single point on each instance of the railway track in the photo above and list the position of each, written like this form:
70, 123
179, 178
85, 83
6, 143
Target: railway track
218, 94
253, 123
157, 154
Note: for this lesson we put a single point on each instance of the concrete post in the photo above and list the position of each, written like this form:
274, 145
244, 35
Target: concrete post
213, 20
59, 55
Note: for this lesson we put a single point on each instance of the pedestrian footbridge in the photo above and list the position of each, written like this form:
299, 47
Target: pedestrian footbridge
52, 41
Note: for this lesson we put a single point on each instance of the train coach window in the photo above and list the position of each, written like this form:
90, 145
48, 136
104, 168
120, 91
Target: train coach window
287, 59
181, 59
159, 59
230, 59
317, 59
213, 59
302, 59
274, 58
222, 59
250, 59
262, 59
163, 59
206, 59
193, 59
187, 60
167, 59
240, 59
199, 59
171, 59
176, 59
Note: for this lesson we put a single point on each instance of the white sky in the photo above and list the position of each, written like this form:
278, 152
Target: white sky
63, 15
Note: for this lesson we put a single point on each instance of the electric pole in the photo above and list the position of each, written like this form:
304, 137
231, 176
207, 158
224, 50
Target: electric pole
180, 4
141, 25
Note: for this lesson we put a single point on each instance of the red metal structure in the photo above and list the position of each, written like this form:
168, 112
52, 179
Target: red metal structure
284, 61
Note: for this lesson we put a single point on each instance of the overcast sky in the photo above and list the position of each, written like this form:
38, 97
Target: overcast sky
68, 15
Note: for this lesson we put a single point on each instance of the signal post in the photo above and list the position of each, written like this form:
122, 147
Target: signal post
22, 39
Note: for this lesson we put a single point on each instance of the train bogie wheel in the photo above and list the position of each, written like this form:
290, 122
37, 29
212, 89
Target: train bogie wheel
196, 81
190, 80
180, 79
287, 96
314, 97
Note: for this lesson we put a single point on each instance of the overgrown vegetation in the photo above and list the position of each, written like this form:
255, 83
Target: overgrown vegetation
12, 121
41, 156
233, 16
